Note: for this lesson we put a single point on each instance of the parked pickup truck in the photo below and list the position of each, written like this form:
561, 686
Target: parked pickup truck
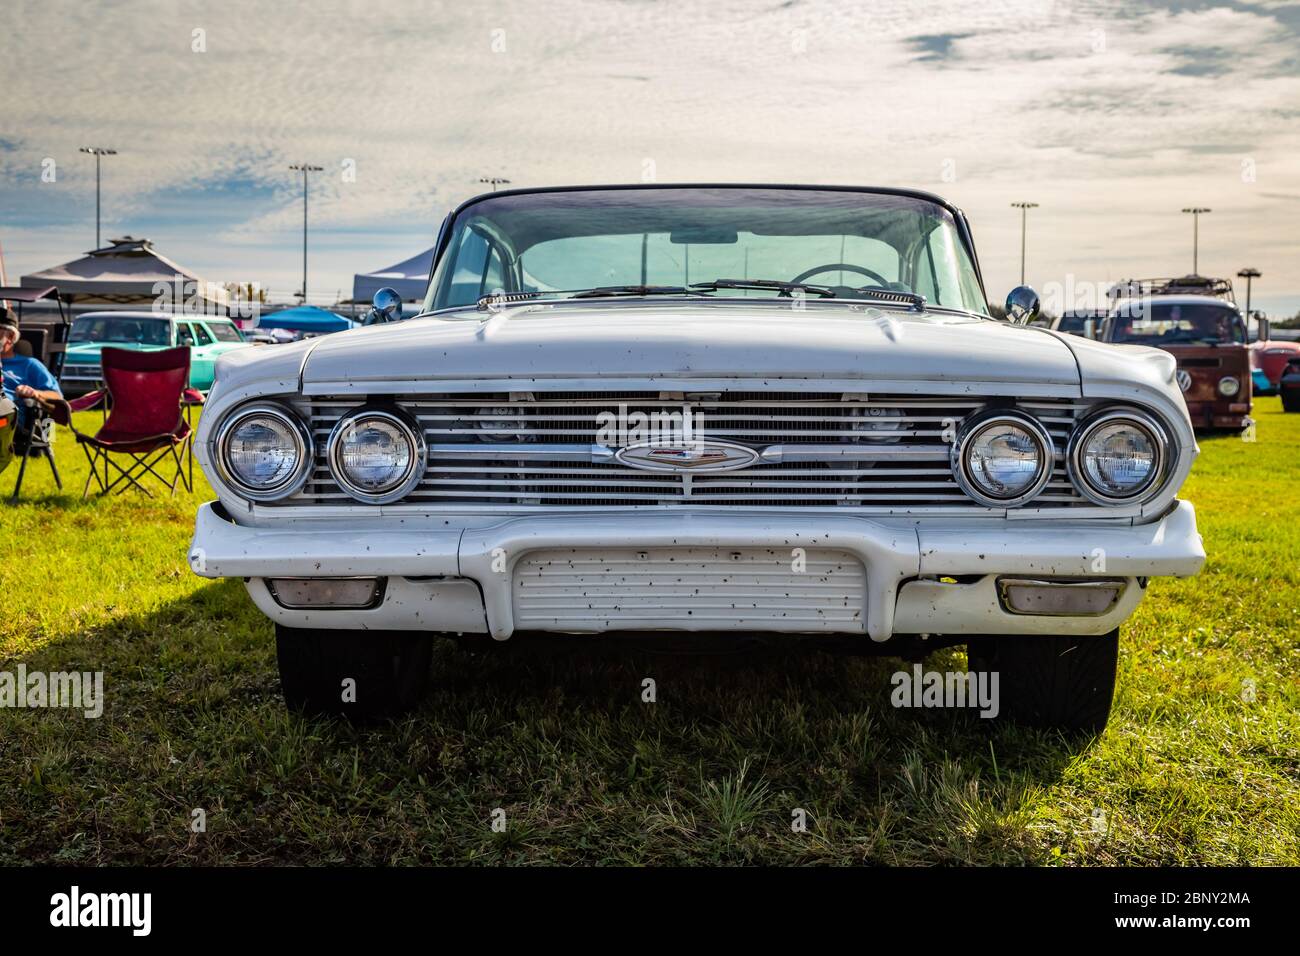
716, 409
208, 337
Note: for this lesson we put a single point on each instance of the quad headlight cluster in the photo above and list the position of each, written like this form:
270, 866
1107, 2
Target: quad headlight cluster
1001, 458
1005, 458
376, 454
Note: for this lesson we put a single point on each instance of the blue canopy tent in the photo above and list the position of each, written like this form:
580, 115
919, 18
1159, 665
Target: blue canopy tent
409, 278
306, 318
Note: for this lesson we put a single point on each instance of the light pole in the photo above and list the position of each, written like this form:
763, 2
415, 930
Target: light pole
305, 168
1248, 273
97, 152
494, 181
1196, 235
1024, 208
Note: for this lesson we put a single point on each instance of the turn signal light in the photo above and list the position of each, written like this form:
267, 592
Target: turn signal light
1049, 598
327, 594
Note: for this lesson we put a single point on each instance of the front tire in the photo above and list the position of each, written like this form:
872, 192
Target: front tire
1291, 400
1051, 682
388, 671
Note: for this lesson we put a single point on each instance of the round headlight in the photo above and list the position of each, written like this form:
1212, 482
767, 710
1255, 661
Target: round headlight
1003, 459
376, 456
1229, 386
264, 451
1117, 456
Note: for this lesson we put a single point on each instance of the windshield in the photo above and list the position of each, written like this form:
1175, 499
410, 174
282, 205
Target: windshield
1168, 324
568, 241
119, 328
225, 332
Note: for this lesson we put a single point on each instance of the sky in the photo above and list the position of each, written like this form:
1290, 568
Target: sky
1113, 116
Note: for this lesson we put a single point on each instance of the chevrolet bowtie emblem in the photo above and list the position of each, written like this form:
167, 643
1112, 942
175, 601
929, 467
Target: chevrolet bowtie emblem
695, 455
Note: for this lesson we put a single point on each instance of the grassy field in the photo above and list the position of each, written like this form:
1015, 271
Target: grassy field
1192, 770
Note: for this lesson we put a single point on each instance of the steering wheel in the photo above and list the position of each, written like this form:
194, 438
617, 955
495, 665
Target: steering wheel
845, 267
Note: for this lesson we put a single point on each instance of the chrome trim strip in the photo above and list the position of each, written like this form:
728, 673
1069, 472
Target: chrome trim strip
769, 454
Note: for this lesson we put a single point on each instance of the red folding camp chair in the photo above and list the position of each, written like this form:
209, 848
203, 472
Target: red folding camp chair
143, 391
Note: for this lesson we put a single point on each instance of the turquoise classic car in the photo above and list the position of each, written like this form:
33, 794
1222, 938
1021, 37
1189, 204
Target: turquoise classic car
208, 337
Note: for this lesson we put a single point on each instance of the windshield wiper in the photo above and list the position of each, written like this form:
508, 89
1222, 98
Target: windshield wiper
508, 298
821, 290
605, 290
827, 292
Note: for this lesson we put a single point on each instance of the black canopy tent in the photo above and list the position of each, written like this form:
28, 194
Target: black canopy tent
130, 271
45, 331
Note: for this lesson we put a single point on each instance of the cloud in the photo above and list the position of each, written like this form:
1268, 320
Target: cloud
1199, 61
1111, 116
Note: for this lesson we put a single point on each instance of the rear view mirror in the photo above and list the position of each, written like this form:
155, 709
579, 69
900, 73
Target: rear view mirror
703, 237
1022, 305
387, 307
1265, 329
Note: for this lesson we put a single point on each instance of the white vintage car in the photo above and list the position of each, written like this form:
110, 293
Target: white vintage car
725, 409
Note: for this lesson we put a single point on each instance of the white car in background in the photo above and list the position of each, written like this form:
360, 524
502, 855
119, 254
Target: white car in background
729, 409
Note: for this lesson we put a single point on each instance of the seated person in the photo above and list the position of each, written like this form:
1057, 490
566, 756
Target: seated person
22, 377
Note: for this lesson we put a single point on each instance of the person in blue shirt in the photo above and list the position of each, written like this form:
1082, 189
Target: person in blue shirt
22, 376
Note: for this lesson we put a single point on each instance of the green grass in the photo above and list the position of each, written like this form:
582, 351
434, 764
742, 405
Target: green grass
1187, 773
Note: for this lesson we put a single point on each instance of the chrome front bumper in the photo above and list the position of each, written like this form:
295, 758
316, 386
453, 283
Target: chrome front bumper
901, 577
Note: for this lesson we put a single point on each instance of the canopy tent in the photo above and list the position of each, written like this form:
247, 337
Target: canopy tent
409, 278
129, 271
45, 332
26, 296
305, 318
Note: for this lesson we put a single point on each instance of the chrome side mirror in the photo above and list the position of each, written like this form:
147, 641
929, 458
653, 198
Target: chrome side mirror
1265, 333
1022, 305
387, 307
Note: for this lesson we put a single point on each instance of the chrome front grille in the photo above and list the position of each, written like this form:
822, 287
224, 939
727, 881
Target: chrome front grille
545, 449
79, 371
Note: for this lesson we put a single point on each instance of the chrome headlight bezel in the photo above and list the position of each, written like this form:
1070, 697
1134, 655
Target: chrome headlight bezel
1160, 442
409, 429
304, 447
1233, 389
973, 427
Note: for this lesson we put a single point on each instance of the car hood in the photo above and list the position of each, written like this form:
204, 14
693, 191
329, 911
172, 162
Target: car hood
692, 340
